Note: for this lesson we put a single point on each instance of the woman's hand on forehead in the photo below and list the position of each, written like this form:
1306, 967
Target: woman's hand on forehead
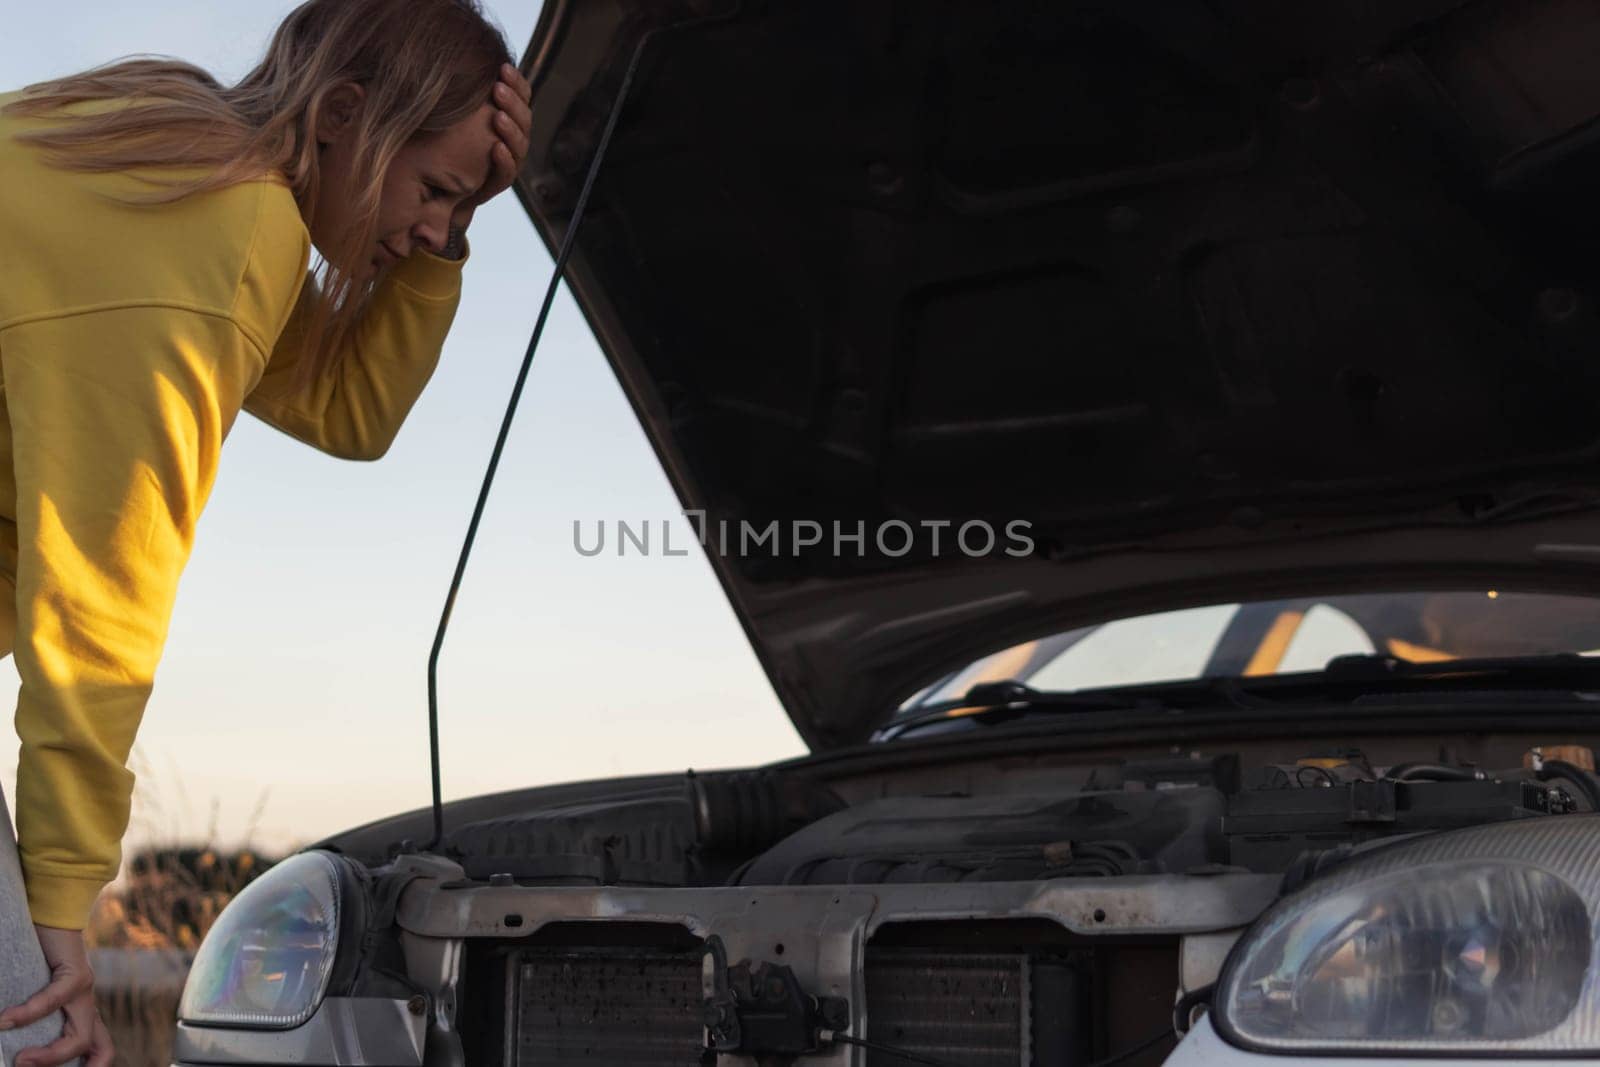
512, 121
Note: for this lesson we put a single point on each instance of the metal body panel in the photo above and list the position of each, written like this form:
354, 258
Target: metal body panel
822, 932
1204, 1047
436, 964
1144, 904
344, 1031
1201, 956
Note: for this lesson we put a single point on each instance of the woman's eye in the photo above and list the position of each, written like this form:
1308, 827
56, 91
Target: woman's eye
434, 192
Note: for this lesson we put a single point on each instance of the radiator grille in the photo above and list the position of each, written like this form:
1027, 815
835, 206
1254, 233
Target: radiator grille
612, 1008
963, 1007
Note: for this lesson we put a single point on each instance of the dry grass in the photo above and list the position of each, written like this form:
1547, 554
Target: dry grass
170, 899
142, 1019
146, 927
143, 936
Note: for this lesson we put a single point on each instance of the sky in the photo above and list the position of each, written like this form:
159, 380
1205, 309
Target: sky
291, 702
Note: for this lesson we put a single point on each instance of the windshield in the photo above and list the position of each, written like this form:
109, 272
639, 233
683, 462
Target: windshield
1284, 637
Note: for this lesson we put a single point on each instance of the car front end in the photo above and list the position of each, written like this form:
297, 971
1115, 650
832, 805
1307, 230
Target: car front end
1260, 340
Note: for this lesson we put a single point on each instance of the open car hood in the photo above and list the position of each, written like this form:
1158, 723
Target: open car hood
1222, 299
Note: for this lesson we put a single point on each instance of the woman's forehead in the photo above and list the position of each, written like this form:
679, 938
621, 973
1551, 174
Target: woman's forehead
460, 152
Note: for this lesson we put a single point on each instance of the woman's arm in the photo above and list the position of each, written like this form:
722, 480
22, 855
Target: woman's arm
356, 411
117, 421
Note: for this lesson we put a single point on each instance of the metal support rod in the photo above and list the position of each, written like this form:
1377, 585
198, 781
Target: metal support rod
567, 244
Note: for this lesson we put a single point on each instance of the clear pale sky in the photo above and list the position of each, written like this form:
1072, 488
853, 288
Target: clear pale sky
295, 672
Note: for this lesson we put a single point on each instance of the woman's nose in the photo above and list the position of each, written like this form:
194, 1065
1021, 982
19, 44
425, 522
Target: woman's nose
432, 231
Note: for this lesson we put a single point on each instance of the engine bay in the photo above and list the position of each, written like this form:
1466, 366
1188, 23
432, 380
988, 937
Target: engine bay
765, 914
1176, 815
1063, 897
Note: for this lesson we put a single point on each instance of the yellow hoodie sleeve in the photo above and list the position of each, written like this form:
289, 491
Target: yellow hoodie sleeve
117, 417
355, 412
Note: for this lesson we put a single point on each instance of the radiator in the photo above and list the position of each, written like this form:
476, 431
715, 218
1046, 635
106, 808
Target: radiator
603, 1008
967, 1008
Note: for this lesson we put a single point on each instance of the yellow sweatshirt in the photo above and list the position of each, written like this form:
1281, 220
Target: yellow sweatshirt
130, 338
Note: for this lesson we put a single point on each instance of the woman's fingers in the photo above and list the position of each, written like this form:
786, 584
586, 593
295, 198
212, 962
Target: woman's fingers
512, 119
101, 1051
53, 997
84, 1034
514, 97
514, 102
71, 991
505, 172
519, 126
514, 78
69, 1046
514, 136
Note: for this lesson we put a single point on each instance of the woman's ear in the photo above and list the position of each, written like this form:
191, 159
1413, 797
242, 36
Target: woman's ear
339, 110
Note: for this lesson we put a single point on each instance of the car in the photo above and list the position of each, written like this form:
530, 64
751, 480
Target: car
1152, 450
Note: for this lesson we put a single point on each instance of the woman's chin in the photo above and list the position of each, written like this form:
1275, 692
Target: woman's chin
364, 270
380, 262
371, 269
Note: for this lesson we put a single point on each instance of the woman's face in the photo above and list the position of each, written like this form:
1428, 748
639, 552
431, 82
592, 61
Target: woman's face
429, 178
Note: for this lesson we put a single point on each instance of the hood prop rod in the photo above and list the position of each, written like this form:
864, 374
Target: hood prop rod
567, 243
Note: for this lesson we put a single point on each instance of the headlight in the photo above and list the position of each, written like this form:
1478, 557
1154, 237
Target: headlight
1474, 941
268, 959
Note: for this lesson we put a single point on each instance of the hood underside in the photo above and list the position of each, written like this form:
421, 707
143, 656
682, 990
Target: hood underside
1220, 298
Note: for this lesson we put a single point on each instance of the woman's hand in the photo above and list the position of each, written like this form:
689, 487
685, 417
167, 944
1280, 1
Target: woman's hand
71, 990
513, 118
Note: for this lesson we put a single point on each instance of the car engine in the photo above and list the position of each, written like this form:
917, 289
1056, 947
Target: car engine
762, 913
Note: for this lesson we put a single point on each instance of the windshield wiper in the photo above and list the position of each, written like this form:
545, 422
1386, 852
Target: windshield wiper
1376, 667
1348, 680
990, 700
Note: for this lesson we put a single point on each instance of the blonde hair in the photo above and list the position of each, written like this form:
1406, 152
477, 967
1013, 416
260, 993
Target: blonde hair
424, 65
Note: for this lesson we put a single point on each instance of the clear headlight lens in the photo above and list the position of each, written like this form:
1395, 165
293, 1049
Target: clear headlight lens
1473, 941
267, 960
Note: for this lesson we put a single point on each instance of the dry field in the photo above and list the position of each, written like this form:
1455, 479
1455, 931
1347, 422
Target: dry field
143, 935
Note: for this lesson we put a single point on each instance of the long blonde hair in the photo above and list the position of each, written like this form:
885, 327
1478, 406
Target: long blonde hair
424, 65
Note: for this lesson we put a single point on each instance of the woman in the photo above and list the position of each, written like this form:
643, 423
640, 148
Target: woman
154, 242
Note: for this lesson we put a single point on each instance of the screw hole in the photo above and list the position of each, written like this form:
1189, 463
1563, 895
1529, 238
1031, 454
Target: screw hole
778, 948
1099, 915
513, 920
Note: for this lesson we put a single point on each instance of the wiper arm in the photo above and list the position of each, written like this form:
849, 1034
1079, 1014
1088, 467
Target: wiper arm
1345, 679
1014, 692
988, 700
1378, 667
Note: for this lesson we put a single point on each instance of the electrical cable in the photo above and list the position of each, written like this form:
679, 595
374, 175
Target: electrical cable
1430, 772
1324, 774
1186, 1005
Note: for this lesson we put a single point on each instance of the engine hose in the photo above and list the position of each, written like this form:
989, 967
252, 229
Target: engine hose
1430, 772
